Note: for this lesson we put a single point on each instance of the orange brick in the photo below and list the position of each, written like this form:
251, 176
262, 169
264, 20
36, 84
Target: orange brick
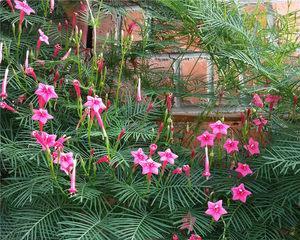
259, 11
134, 16
284, 8
108, 24
194, 73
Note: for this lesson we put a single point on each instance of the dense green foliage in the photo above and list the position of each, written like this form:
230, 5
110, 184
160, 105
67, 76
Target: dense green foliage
113, 201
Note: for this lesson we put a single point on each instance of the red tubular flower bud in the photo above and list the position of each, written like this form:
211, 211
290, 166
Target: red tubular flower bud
4, 105
295, 100
108, 104
9, 3
104, 159
91, 91
66, 25
57, 49
92, 152
150, 107
74, 20
169, 101
100, 64
243, 118
161, 127
121, 134
56, 77
59, 27
76, 85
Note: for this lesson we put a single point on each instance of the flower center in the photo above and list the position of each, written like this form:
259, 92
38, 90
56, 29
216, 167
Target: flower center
241, 191
216, 208
252, 145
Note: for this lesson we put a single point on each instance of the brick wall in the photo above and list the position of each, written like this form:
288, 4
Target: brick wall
193, 66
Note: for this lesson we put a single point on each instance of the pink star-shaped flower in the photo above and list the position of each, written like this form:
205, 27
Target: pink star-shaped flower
243, 169
252, 147
219, 128
206, 139
167, 156
231, 146
66, 161
260, 122
195, 237
23, 6
95, 103
41, 115
216, 210
256, 100
240, 193
46, 92
273, 100
150, 167
188, 222
44, 139
139, 156
43, 37
59, 144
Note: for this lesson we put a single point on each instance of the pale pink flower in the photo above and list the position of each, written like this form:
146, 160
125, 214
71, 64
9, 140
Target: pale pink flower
153, 148
23, 6
260, 122
219, 128
231, 146
26, 63
67, 54
206, 172
24, 9
43, 37
206, 139
188, 222
177, 171
95, 103
139, 156
167, 156
41, 115
72, 189
150, 167
273, 100
4, 105
240, 193
59, 144
52, 2
46, 92
216, 210
30, 72
66, 162
195, 237
186, 169
44, 139
252, 147
3, 94
139, 91
243, 169
256, 100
